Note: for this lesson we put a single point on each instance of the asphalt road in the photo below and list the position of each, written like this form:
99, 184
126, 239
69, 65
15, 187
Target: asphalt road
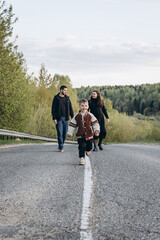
126, 197
42, 191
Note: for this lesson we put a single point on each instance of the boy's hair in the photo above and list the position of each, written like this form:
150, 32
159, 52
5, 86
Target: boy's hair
62, 87
83, 100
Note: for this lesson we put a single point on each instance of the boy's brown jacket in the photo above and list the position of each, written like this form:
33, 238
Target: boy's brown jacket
85, 125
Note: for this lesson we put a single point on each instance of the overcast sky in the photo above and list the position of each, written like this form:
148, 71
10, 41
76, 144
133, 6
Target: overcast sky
94, 42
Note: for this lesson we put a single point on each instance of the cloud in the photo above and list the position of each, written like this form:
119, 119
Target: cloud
67, 38
86, 60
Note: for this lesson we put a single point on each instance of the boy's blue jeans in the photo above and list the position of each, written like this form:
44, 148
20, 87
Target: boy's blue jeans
62, 128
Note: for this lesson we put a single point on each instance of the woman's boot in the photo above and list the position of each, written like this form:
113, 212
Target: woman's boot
95, 145
100, 144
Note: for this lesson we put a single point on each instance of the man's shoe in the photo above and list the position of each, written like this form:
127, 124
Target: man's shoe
82, 162
88, 153
100, 147
95, 149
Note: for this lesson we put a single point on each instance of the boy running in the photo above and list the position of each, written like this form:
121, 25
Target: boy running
86, 126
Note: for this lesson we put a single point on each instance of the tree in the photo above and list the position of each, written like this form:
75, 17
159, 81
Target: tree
45, 87
128, 99
16, 92
142, 106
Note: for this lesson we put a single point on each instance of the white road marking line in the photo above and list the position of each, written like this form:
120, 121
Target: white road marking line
86, 233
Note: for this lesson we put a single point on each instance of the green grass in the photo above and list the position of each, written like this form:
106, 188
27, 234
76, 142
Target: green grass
14, 141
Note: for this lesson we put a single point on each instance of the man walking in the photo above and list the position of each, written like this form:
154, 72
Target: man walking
61, 110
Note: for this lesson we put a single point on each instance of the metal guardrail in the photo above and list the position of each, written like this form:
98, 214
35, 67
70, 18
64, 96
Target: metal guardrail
4, 132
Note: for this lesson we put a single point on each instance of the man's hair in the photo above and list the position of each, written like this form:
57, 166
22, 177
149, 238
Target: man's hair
83, 100
62, 87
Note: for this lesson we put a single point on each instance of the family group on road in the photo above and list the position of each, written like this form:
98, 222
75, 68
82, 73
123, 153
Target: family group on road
89, 122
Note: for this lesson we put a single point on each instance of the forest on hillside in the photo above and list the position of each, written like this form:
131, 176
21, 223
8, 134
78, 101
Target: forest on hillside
26, 100
143, 99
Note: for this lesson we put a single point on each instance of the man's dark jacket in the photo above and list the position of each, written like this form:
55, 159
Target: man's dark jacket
56, 108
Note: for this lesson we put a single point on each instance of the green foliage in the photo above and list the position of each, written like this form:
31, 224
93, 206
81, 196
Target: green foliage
6, 22
41, 122
108, 104
16, 93
45, 88
11, 140
122, 128
144, 99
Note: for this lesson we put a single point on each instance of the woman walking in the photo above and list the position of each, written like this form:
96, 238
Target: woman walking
97, 108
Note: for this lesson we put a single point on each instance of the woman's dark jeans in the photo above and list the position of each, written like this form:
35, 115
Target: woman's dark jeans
62, 128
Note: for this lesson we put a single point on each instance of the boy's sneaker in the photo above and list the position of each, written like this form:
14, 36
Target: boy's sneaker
82, 162
60, 150
88, 153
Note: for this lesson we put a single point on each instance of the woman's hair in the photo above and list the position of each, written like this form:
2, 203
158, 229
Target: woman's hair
99, 98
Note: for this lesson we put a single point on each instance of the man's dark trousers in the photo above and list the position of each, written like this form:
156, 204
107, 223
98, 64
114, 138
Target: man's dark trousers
62, 128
